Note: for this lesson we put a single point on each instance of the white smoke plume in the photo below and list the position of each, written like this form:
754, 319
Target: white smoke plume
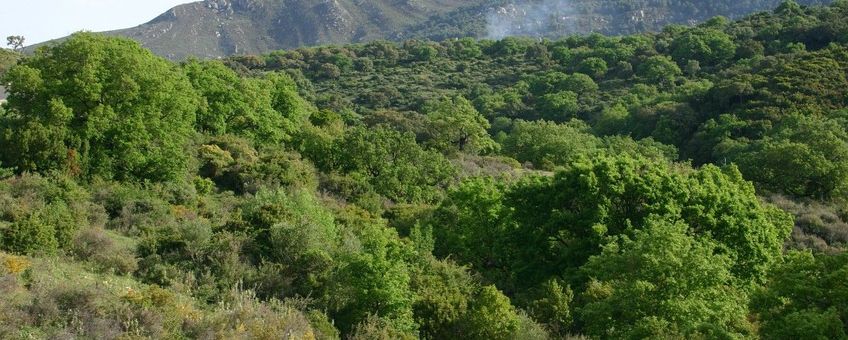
531, 18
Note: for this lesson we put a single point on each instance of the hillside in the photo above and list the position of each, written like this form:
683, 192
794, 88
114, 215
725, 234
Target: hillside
690, 183
215, 28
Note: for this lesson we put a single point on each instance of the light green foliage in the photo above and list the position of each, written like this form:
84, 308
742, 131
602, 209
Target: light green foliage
659, 70
662, 282
54, 298
266, 110
547, 144
30, 235
40, 215
376, 328
559, 106
98, 106
375, 280
294, 231
708, 46
492, 316
197, 185
557, 81
455, 126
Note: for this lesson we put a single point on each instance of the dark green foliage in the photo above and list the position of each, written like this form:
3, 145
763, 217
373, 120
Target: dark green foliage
611, 196
390, 162
40, 215
468, 222
552, 305
806, 296
294, 236
593, 66
8, 58
233, 164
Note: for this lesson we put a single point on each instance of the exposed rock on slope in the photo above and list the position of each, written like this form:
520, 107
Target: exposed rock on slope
217, 28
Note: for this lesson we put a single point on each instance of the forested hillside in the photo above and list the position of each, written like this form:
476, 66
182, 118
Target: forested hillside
689, 183
219, 28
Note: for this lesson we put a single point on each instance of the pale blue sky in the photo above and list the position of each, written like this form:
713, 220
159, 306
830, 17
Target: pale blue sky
42, 20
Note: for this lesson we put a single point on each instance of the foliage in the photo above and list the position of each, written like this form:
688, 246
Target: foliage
662, 283
457, 127
98, 106
267, 110
806, 296
609, 186
390, 162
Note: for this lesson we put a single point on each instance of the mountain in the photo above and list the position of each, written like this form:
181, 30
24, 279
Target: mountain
216, 28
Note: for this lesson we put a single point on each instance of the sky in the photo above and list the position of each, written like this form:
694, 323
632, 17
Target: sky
42, 20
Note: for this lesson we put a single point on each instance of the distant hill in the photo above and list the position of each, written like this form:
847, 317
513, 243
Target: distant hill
216, 28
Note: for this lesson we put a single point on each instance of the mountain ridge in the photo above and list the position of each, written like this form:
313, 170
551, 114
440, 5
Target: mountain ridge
218, 28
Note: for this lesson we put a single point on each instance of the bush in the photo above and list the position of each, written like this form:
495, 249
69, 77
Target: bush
107, 255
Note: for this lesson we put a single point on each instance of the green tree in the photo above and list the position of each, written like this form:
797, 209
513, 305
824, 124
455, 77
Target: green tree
268, 110
613, 195
659, 70
553, 306
547, 144
456, 126
374, 280
443, 291
492, 316
294, 231
806, 156
16, 42
559, 106
707, 46
468, 223
594, 67
806, 296
99, 106
662, 282
391, 162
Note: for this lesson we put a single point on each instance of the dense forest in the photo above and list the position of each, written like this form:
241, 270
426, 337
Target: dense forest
689, 183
